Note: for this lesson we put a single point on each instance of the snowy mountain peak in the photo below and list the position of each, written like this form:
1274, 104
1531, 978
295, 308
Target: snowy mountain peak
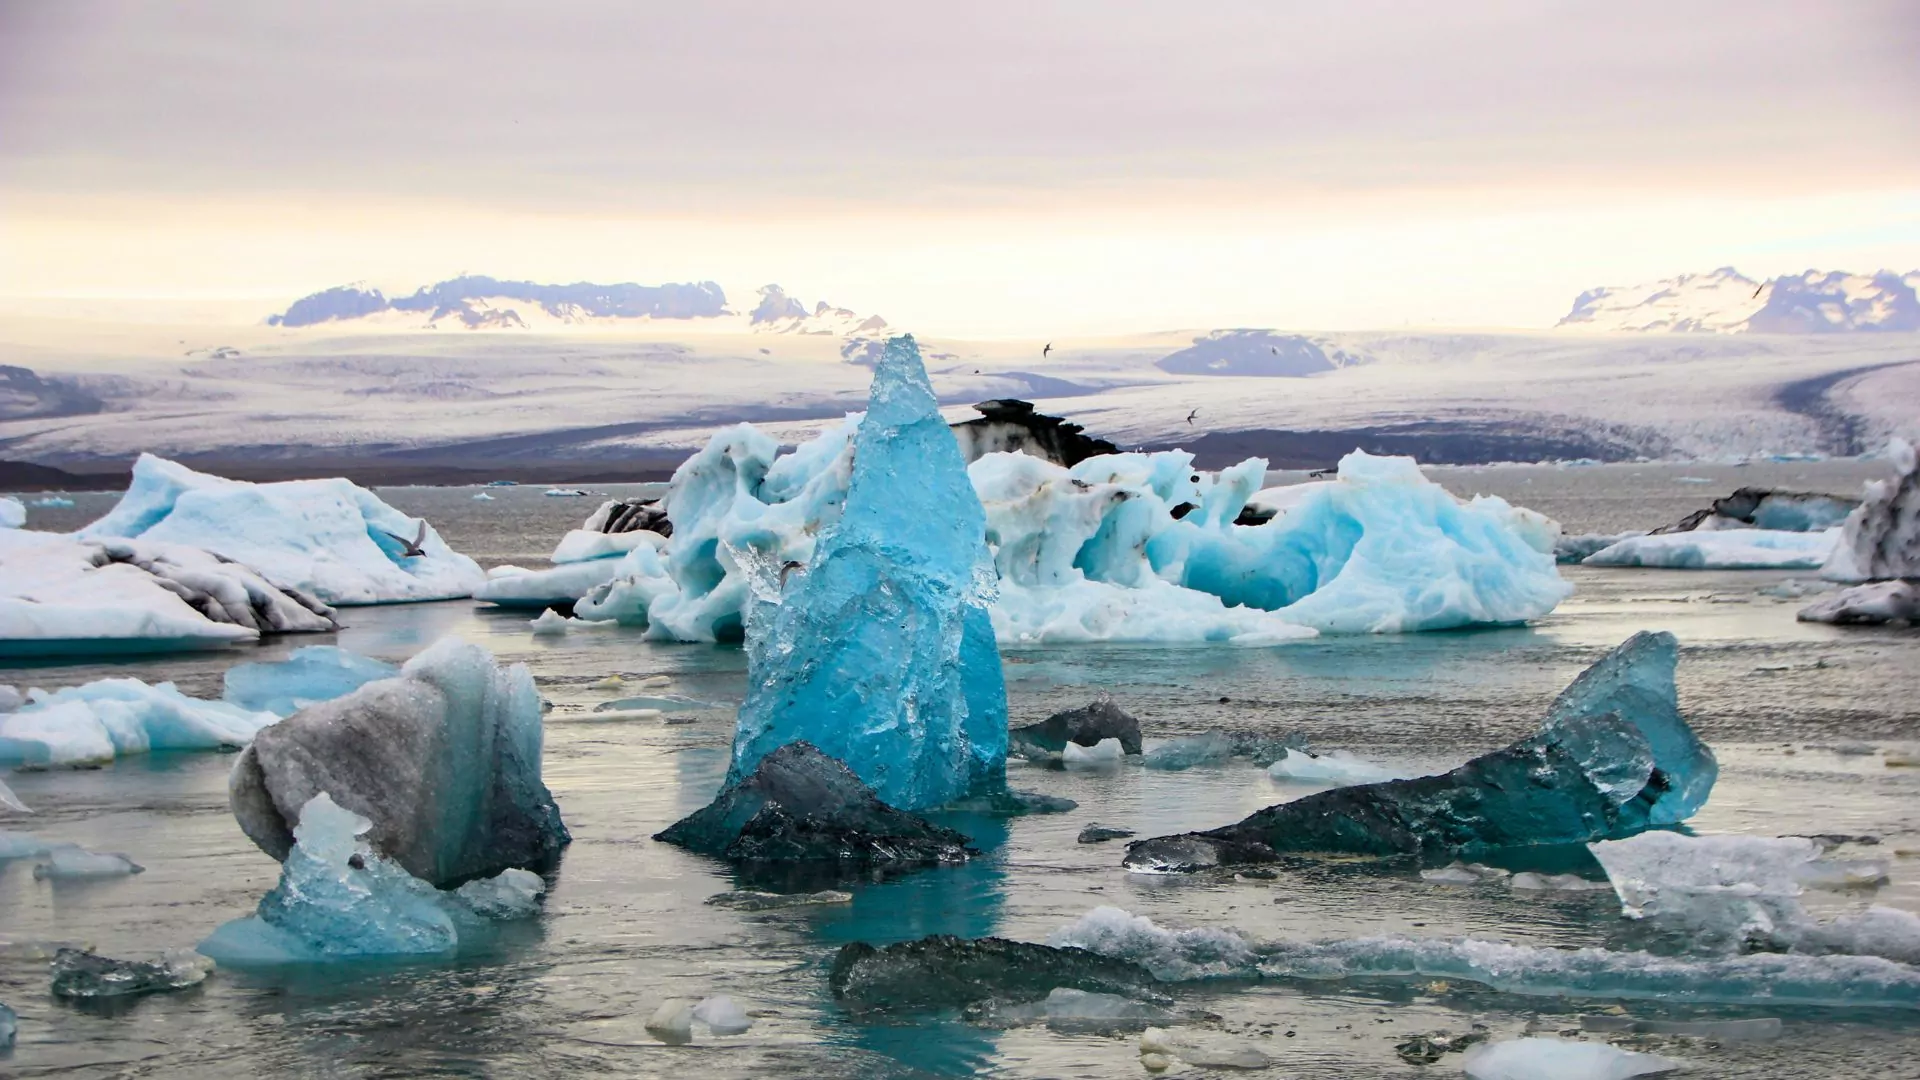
1728, 302
779, 313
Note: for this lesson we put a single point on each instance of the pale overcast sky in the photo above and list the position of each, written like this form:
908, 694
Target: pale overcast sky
980, 168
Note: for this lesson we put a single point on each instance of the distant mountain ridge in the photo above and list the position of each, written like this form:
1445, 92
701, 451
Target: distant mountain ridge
478, 302
1726, 301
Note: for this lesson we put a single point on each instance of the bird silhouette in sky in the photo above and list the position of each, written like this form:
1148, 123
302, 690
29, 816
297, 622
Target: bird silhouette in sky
410, 549
1191, 415
1045, 351
1756, 290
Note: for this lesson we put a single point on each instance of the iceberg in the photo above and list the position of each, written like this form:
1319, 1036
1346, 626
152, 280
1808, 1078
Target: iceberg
72, 864
1087, 726
111, 718
584, 559
327, 538
1104, 754
1613, 758
1872, 604
1117, 547
62, 596
1533, 1059
879, 651
1545, 971
13, 513
1334, 767
310, 674
443, 759
1174, 755
78, 973
944, 971
1732, 549
1880, 540
339, 898
799, 805
1767, 508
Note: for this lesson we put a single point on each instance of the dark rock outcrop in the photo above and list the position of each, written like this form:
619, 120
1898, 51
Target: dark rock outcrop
1009, 424
799, 805
944, 971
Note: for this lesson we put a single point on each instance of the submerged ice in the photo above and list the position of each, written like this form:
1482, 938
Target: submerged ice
314, 673
1613, 758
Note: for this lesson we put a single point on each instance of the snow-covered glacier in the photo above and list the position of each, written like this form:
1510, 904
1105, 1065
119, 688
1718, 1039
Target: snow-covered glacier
1120, 547
330, 538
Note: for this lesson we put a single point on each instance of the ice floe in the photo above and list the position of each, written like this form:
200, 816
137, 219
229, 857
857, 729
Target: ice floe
1333, 767
1731, 549
78, 973
1540, 1059
443, 759
62, 596
110, 718
1874, 603
328, 538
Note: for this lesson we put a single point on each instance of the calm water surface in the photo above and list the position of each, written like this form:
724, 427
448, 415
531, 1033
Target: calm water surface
626, 925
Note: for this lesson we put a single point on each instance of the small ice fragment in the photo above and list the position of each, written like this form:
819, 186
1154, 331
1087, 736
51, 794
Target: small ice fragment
79, 974
656, 681
1097, 833
672, 1022
1540, 1059
11, 801
1103, 754
510, 894
71, 863
1754, 1030
721, 1015
754, 900
1334, 767
550, 624
1459, 873
1214, 1053
1528, 881
1155, 1062
1210, 748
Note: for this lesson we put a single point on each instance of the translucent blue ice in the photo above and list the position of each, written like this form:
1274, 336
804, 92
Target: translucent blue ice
880, 651
1636, 683
339, 899
315, 673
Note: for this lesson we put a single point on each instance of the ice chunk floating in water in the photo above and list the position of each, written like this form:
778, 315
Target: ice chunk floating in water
62, 596
315, 673
1613, 758
109, 718
338, 898
1881, 539
1731, 549
330, 538
1539, 1059
13, 513
81, 974
880, 651
444, 759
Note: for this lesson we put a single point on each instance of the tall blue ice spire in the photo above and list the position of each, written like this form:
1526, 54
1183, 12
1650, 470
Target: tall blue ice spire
880, 652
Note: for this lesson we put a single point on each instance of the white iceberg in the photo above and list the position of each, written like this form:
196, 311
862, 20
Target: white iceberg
1721, 549
111, 718
330, 538
1555, 1059
584, 559
13, 513
1335, 767
1870, 604
1121, 547
1104, 754
60, 595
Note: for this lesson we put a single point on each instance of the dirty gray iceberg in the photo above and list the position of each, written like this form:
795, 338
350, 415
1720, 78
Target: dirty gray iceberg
443, 760
1880, 546
1089, 725
1614, 758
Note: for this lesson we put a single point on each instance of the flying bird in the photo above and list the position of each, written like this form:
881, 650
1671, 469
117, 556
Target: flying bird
1756, 290
1275, 349
1045, 351
410, 549
1192, 414
789, 567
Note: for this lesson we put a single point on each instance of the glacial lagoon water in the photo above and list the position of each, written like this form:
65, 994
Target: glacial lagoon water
1789, 708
